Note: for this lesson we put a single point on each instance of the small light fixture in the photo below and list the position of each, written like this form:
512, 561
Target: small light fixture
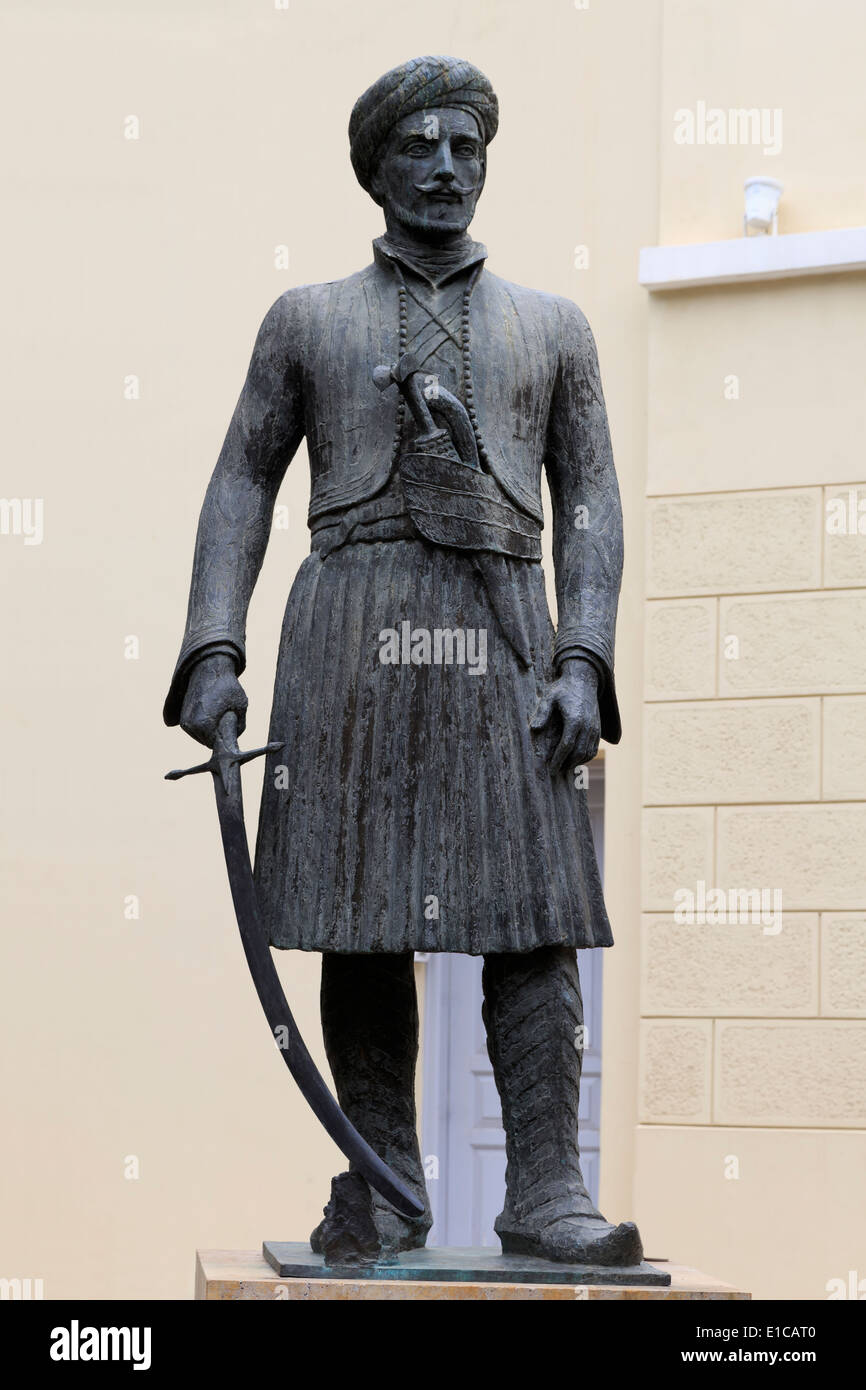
762, 207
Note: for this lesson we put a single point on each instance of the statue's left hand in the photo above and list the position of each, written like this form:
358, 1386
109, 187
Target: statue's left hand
570, 704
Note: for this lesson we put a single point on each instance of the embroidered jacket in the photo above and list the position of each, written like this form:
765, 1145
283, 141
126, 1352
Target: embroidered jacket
534, 387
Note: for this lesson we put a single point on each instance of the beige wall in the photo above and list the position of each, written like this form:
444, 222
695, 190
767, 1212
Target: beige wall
753, 1044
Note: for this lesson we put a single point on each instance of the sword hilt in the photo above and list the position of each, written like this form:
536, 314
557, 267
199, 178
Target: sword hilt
405, 374
226, 753
460, 434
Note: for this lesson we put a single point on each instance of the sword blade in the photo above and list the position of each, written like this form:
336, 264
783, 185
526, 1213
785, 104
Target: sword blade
229, 799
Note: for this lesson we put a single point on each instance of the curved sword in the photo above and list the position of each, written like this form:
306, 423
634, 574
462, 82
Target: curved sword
225, 765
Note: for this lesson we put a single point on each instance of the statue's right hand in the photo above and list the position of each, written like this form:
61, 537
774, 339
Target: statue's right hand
212, 690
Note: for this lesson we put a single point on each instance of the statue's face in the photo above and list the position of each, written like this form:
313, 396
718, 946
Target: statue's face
431, 172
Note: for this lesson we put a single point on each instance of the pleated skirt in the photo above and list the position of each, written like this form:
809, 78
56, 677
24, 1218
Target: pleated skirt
411, 806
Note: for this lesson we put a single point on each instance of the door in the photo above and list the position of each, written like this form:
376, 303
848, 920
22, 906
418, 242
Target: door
462, 1137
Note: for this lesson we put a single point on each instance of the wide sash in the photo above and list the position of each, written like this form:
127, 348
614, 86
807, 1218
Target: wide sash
456, 505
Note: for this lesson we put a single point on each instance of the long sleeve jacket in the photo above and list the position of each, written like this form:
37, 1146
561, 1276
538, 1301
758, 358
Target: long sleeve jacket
539, 406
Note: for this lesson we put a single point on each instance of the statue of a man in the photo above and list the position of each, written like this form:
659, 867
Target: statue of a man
426, 796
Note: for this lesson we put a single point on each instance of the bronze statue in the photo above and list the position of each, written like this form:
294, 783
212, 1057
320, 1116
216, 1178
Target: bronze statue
427, 720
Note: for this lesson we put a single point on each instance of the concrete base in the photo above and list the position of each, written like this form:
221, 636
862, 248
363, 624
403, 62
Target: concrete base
245, 1274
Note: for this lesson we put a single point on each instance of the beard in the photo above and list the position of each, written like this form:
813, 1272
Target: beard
453, 219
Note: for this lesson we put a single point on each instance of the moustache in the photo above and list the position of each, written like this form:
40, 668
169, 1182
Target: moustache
454, 190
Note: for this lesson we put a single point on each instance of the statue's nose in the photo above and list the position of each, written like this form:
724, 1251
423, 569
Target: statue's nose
443, 168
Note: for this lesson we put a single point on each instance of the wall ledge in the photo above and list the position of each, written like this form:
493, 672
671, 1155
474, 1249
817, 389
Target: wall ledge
742, 259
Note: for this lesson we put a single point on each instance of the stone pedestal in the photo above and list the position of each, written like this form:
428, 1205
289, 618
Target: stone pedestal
245, 1274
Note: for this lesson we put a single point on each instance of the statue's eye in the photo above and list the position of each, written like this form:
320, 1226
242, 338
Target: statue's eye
465, 151
419, 149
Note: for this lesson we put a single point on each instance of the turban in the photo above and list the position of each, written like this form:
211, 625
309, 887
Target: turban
419, 85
